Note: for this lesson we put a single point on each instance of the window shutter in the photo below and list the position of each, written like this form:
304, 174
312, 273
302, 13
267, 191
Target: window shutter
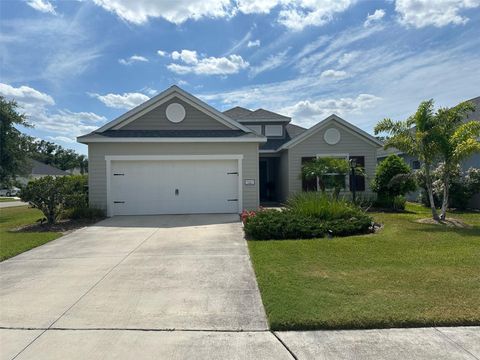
360, 179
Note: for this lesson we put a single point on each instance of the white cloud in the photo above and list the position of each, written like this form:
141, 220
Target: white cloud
231, 64
376, 16
255, 43
438, 13
42, 5
162, 53
305, 111
334, 74
272, 62
294, 14
121, 101
26, 96
37, 107
347, 58
61, 139
132, 59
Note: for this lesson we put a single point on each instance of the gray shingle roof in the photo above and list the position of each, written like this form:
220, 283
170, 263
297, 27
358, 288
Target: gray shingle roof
244, 115
39, 168
172, 133
237, 112
294, 130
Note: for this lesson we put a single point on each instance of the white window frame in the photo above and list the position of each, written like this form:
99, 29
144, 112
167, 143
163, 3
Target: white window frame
339, 156
267, 127
110, 158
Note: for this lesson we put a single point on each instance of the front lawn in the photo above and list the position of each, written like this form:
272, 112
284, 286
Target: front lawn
14, 243
408, 274
7, 199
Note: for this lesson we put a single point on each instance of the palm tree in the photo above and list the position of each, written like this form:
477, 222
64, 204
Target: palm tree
456, 141
415, 136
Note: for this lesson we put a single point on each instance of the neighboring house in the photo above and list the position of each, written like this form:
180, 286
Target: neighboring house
175, 154
38, 170
472, 161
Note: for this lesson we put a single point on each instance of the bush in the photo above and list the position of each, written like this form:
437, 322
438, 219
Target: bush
83, 213
281, 225
322, 206
76, 191
393, 178
399, 202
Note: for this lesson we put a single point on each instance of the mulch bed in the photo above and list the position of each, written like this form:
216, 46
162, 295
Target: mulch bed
449, 222
64, 226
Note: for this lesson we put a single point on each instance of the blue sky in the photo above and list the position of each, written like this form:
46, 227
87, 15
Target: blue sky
74, 65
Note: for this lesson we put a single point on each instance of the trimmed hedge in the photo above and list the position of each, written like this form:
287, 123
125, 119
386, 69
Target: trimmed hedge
287, 224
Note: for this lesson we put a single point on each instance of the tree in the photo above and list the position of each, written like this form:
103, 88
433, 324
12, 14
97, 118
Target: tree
415, 136
456, 141
13, 154
393, 177
329, 171
46, 194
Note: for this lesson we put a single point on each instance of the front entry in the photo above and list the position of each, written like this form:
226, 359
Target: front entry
269, 179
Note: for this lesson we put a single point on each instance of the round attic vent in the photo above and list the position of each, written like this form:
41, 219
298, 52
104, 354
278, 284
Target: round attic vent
175, 112
332, 136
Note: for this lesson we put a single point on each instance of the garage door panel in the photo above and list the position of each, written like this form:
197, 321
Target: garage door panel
174, 187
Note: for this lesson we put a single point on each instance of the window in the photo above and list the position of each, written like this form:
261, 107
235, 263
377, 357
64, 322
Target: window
415, 164
310, 184
273, 130
334, 180
256, 128
359, 179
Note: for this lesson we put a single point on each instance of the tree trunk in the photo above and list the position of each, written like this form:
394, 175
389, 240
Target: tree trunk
446, 183
428, 181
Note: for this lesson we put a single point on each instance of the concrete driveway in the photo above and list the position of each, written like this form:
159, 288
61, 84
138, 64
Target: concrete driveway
132, 280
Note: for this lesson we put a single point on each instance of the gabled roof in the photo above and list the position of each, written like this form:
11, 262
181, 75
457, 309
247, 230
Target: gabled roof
245, 115
39, 168
314, 129
171, 92
237, 112
294, 130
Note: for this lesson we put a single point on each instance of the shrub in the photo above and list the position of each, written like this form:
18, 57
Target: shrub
399, 202
46, 194
322, 206
288, 224
76, 191
393, 177
83, 213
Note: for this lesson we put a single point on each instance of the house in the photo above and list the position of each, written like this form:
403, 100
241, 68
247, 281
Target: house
176, 154
472, 161
37, 169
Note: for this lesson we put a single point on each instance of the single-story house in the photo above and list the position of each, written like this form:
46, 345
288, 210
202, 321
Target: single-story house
176, 154
472, 161
37, 170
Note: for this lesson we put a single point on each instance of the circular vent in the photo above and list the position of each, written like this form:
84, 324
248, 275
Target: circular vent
175, 112
332, 136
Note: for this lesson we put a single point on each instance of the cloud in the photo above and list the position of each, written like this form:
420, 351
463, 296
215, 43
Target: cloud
191, 63
162, 53
132, 59
26, 96
438, 13
270, 63
61, 139
37, 106
305, 111
376, 16
121, 101
347, 58
42, 5
255, 43
334, 74
295, 14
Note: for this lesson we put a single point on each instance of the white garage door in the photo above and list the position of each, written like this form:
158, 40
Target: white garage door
174, 187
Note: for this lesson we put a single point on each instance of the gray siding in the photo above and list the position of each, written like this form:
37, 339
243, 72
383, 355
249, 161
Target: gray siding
157, 120
351, 144
97, 165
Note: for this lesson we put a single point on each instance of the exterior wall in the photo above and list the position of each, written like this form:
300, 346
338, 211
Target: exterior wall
284, 174
157, 120
97, 178
349, 143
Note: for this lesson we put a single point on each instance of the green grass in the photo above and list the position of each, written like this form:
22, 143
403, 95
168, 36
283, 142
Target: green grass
7, 199
14, 243
408, 274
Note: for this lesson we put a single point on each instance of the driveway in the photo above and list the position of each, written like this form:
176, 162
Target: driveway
133, 280
15, 203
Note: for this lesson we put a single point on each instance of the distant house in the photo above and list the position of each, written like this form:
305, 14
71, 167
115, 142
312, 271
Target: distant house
39, 170
472, 161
